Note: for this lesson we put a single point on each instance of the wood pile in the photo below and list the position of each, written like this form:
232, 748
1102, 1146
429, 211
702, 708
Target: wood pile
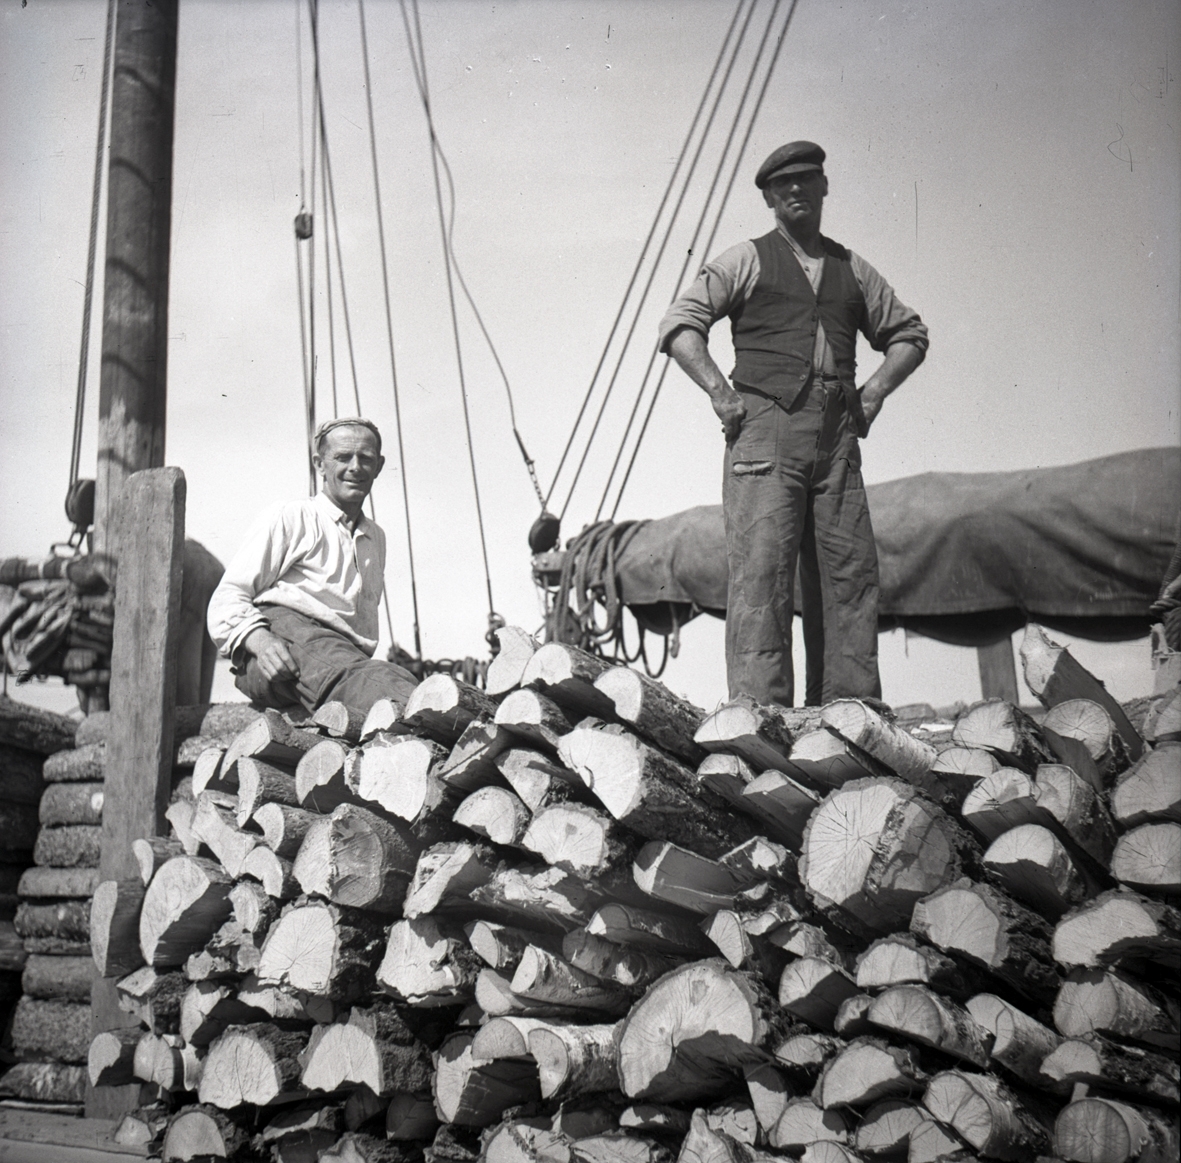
571, 917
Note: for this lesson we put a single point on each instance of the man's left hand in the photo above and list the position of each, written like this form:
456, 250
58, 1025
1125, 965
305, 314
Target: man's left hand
871, 405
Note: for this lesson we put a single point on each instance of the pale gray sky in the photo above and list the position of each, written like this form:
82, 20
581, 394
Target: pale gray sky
1012, 167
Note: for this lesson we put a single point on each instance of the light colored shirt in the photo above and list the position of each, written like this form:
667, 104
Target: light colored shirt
730, 279
303, 555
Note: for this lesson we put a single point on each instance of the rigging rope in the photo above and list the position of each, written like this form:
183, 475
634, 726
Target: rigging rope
92, 246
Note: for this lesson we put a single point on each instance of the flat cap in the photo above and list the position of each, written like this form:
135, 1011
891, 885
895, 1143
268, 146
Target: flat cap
796, 157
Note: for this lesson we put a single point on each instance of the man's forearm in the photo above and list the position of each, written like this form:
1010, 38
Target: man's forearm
900, 360
689, 349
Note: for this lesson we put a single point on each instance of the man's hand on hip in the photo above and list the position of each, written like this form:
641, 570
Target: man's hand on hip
731, 410
274, 659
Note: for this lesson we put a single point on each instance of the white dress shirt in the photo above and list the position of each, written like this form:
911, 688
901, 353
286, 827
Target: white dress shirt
303, 555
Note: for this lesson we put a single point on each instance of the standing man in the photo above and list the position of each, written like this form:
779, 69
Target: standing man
793, 490
296, 611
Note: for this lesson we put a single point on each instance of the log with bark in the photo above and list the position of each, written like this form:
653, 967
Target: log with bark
901, 960
921, 1015
634, 969
70, 846
67, 920
441, 707
567, 675
34, 729
274, 873
958, 768
1089, 723
84, 764
260, 782
374, 1048
55, 1029
339, 721
650, 930
909, 758
1034, 866
825, 760
326, 775
687, 880
398, 775
866, 1071
471, 763
542, 976
216, 828
1150, 789
446, 876
207, 771
574, 1060
579, 838
762, 735
44, 1082
1128, 1069
496, 813
110, 1061
151, 852
885, 1129
654, 712
1110, 1002
1119, 928
255, 1064
475, 1094
538, 780
1102, 1130
427, 962
153, 998
1019, 1042
781, 805
67, 978
270, 737
804, 1123
187, 901
1149, 858
283, 827
202, 1132
987, 1115
812, 990
1005, 730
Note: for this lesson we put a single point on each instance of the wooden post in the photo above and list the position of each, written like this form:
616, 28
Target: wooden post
132, 389
998, 671
143, 706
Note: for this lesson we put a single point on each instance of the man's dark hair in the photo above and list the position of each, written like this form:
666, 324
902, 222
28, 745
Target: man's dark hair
343, 422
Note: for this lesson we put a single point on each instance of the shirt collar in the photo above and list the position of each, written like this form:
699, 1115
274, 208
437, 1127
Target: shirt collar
338, 515
801, 254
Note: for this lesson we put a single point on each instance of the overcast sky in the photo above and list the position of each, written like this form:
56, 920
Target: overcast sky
1011, 166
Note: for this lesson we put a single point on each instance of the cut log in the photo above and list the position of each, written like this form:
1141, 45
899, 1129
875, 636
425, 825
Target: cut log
824, 759
261, 783
1054, 676
445, 877
356, 858
909, 758
852, 1018
1150, 790
534, 718
495, 999
63, 803
634, 969
722, 1019
495, 813
769, 1090
86, 764
567, 675
931, 1142
1149, 858
993, 931
545, 898
514, 649
743, 947
1005, 799
915, 1012
689, 881
574, 1060
476, 1094
339, 721
649, 792
1005, 730
1019, 1043
1162, 719
44, 1082
441, 707
958, 768
110, 1060
506, 1037
1089, 723
152, 852
70, 846
1078, 814
537, 779
398, 775
806, 1053
326, 776
29, 727
782, 805
275, 874
885, 1130
214, 826
1095, 1001
384, 718
253, 909
187, 901
56, 1029
323, 949
544, 977
874, 848
78, 883
374, 1048
471, 762
283, 827
1101, 1130
207, 771
271, 1002
1035, 867
229, 953
654, 712
428, 963
649, 930
180, 815
67, 978
270, 737
207, 1008
760, 735
901, 960
1127, 1069
987, 1115
115, 926
812, 990
500, 946
804, 1123
1116, 928
154, 999
654, 1118
578, 838
251, 1064
302, 1132
867, 1070
727, 776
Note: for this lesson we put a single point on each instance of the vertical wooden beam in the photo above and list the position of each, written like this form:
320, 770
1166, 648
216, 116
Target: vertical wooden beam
998, 671
133, 386
143, 705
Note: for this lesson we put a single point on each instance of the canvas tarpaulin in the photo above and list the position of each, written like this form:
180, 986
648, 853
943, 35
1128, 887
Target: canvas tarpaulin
965, 557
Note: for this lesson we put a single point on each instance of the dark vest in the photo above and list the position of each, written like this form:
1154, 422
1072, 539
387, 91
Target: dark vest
775, 329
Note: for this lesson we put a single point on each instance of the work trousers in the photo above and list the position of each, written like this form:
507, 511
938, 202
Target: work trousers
793, 494
331, 668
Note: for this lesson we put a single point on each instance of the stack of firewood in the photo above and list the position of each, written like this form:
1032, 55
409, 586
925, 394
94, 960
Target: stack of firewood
572, 917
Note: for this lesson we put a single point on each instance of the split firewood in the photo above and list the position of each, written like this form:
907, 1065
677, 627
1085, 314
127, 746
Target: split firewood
867, 1070
229, 953
1111, 1003
207, 771
167, 1062
115, 927
180, 815
533, 718
428, 963
63, 803
476, 1094
781, 805
274, 873
410, 1117
1150, 790
154, 851
987, 1115
326, 775
649, 792
200, 1132
261, 783
384, 718
441, 707
1101, 1130
761, 735
725, 1019
537, 779
184, 905
256, 1064
153, 998
804, 1123
919, 1014
1119, 928
544, 977
496, 813
445, 877
1149, 858
1079, 816
374, 1048
501, 947
574, 1060
323, 948
909, 758
215, 827
339, 721
253, 909
356, 858
634, 969
514, 649
283, 827
744, 947
1035, 867
653, 712
270, 737
567, 675
69, 846
57, 1029
1005, 730
901, 960
111, 1059
875, 847
57, 883
470, 764
852, 1018
885, 1130
578, 838
1089, 723
993, 931
689, 881
398, 775
812, 990
1054, 676
709, 1141
67, 978
86, 764
649, 929
1019, 1043
1106, 1064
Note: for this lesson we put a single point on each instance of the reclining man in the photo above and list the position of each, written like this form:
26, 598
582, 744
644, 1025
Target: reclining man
296, 612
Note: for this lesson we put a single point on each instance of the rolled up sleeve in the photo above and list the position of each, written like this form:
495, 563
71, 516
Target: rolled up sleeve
888, 319
724, 284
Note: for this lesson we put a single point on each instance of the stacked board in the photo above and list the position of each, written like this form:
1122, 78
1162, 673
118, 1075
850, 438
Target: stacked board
571, 916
